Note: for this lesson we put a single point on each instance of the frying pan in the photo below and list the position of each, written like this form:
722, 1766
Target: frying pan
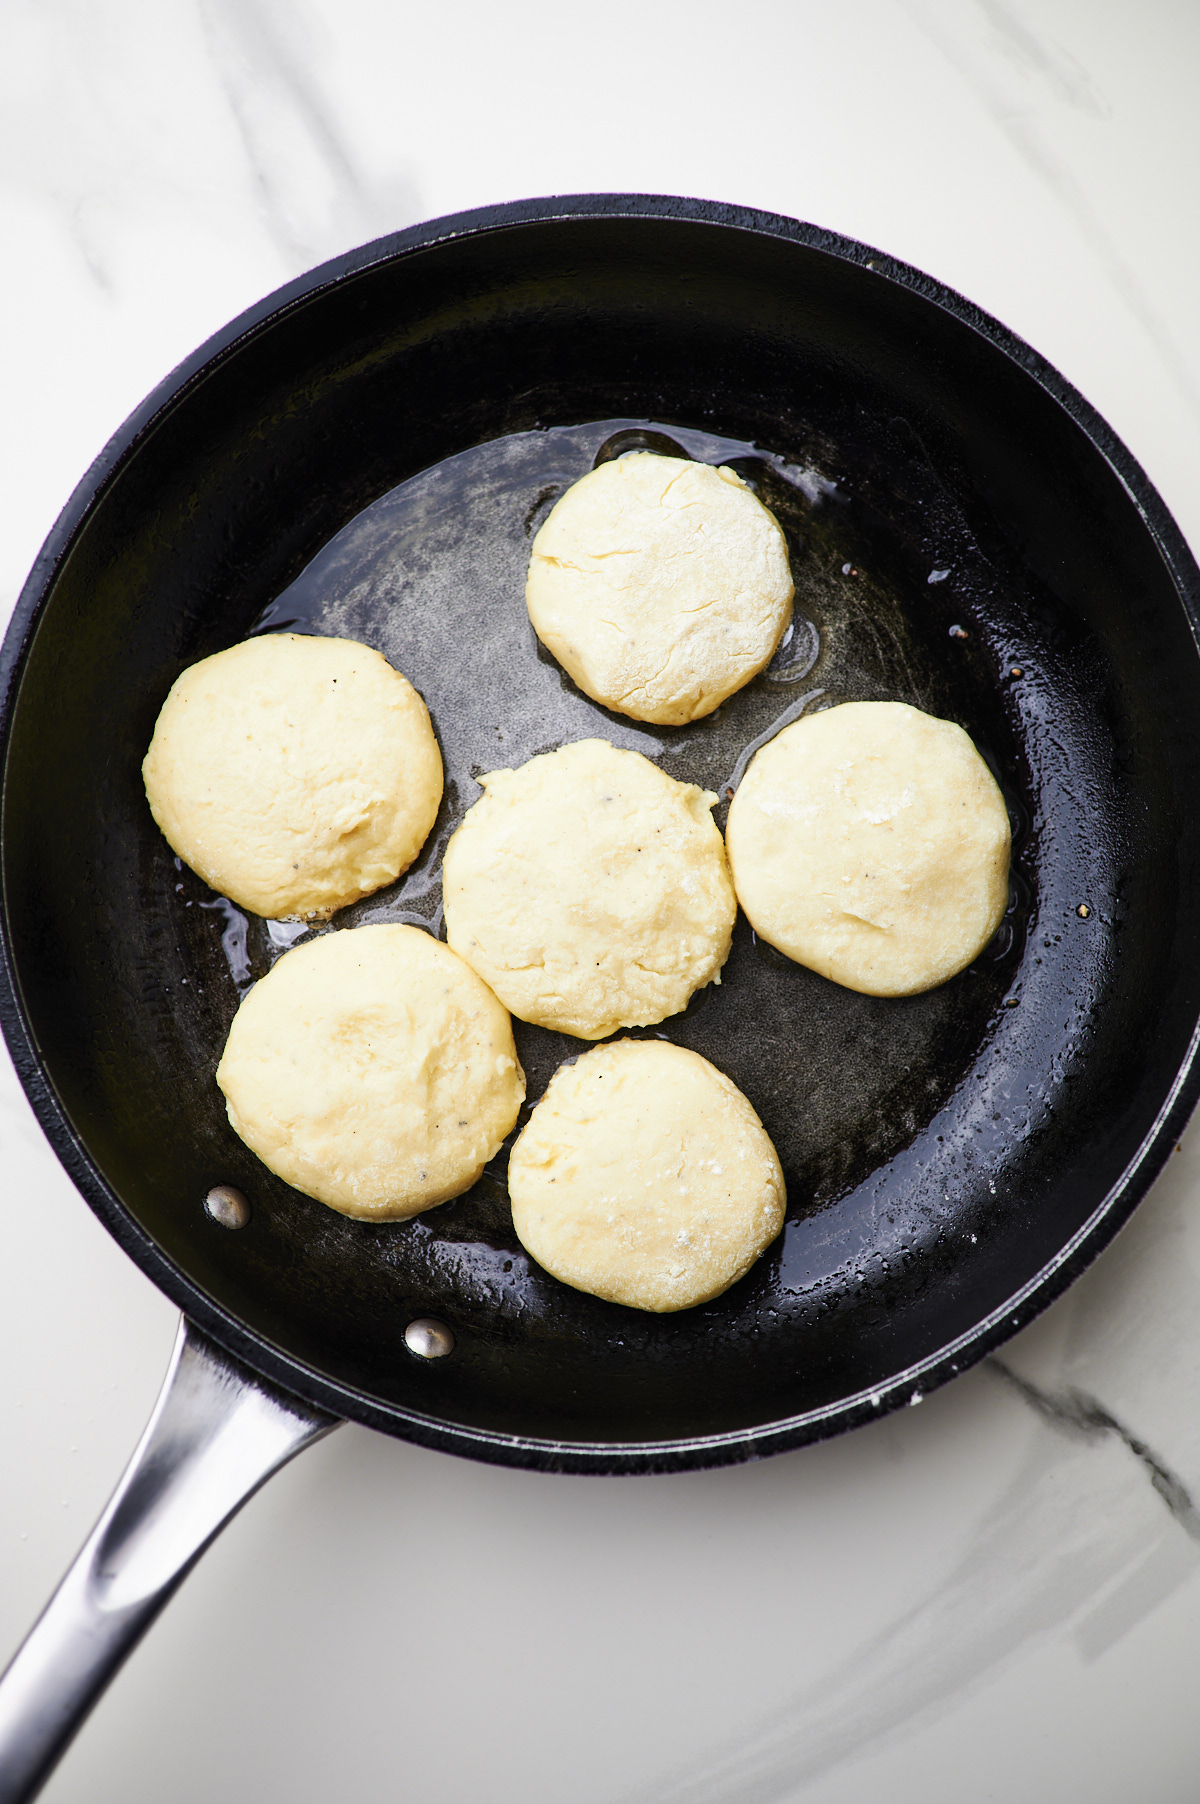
368, 452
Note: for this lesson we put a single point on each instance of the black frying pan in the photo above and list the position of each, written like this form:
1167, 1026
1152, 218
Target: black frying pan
967, 535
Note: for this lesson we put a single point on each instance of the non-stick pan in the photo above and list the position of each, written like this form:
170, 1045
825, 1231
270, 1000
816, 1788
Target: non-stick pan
368, 453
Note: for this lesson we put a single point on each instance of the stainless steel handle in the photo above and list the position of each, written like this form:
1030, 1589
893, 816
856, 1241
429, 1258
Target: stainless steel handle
215, 1436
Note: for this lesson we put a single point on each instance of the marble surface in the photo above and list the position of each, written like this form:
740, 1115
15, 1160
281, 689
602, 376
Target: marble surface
992, 1597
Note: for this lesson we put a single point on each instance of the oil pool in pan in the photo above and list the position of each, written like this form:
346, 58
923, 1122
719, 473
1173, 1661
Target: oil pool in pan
433, 576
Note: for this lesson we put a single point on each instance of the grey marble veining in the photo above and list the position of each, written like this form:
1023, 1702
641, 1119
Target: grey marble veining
1009, 87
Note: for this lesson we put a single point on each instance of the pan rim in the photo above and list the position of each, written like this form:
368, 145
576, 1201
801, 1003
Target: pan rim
253, 1350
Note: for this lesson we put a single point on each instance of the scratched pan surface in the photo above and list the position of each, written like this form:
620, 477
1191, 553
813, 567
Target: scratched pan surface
369, 454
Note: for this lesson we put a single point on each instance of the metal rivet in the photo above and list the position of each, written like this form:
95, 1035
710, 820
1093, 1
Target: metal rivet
428, 1339
228, 1205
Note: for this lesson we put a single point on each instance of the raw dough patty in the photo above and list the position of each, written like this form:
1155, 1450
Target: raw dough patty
590, 890
661, 585
644, 1176
372, 1070
870, 842
294, 774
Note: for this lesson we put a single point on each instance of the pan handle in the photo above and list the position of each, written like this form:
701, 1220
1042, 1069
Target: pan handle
215, 1436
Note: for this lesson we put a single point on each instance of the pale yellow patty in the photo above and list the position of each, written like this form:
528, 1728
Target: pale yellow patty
294, 774
661, 585
590, 890
871, 843
644, 1176
372, 1070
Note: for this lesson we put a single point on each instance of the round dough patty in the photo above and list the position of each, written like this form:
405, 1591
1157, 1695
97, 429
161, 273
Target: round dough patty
644, 1176
661, 585
372, 1070
590, 890
871, 843
294, 774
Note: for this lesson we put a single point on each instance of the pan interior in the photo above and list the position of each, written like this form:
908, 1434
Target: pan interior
939, 1150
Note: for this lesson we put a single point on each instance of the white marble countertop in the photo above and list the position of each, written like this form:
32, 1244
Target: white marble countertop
992, 1597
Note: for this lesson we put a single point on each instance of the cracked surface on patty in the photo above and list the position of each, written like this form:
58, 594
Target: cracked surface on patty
645, 1176
660, 585
373, 1071
590, 890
